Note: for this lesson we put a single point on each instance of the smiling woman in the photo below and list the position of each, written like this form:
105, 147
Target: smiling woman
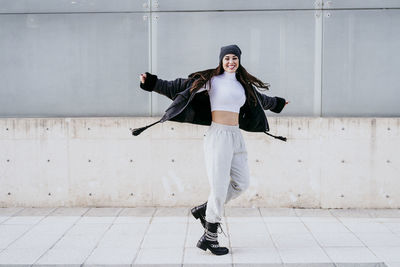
224, 98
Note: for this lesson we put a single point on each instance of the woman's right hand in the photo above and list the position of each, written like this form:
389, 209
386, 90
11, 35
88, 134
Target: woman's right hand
142, 77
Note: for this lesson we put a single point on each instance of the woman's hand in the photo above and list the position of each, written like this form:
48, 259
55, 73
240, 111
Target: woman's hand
142, 77
287, 102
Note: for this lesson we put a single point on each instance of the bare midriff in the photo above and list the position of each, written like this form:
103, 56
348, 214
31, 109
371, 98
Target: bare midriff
225, 117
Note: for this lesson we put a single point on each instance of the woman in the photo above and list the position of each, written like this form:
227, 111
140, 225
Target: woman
225, 99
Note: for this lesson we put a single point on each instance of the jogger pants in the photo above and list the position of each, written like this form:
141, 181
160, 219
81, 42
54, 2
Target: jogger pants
227, 167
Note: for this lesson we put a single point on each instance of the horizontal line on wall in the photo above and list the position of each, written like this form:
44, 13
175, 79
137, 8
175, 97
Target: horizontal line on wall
195, 11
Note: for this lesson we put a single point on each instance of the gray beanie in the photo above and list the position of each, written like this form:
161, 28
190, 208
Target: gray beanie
230, 49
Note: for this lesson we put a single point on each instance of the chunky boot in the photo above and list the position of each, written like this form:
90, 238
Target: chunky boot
199, 212
209, 240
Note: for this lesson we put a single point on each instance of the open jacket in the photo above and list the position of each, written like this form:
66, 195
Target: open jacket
195, 107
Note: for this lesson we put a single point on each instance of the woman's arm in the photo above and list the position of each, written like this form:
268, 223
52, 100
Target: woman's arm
275, 104
168, 88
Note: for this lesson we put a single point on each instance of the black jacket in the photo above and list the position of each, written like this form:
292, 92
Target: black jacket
195, 107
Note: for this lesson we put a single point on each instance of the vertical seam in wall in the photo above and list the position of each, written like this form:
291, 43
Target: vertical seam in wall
150, 51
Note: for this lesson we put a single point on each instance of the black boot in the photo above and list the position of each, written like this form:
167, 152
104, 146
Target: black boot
199, 212
209, 240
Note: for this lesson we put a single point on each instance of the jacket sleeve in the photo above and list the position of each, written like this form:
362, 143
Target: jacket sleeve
275, 104
163, 87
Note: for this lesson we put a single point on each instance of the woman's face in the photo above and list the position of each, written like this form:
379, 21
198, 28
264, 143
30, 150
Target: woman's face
230, 62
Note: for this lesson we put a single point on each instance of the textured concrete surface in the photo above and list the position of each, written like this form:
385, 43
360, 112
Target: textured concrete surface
326, 163
150, 236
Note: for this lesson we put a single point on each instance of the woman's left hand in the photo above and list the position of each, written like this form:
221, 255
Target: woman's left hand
287, 102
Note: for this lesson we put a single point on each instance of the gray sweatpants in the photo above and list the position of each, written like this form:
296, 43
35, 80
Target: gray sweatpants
227, 168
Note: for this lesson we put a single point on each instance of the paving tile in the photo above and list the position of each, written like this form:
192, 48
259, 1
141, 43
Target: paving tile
255, 255
99, 212
138, 212
285, 219
112, 256
304, 255
23, 220
128, 228
97, 219
198, 256
21, 255
283, 241
75, 212
128, 219
320, 219
393, 226
313, 213
277, 212
159, 256
62, 220
351, 254
244, 220
10, 211
29, 240
387, 254
254, 240
120, 241
167, 227
379, 239
242, 212
164, 240
366, 227
77, 241
392, 264
88, 229
35, 212
385, 213
323, 227
360, 213
167, 219
64, 256
11, 232
286, 227
332, 239
3, 218
171, 212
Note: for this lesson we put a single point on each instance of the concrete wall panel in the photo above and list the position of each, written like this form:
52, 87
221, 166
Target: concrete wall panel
327, 162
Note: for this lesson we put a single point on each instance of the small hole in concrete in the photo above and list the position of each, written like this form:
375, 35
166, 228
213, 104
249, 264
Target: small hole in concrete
342, 160
47, 129
341, 195
89, 160
6, 129
299, 128
257, 160
9, 193
48, 160
88, 129
299, 195
172, 128
172, 160
131, 160
387, 161
388, 129
131, 194
299, 160
49, 194
173, 194
8, 160
387, 196
257, 195
342, 128
90, 194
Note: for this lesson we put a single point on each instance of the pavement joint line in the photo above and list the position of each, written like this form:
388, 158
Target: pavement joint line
186, 234
144, 236
316, 240
29, 229
102, 236
55, 243
270, 236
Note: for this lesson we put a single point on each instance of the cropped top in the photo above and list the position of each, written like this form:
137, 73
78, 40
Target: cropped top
226, 92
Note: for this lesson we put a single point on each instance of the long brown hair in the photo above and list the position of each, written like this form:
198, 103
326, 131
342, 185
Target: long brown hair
246, 79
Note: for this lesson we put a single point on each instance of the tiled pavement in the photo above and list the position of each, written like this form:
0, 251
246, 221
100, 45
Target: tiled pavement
168, 236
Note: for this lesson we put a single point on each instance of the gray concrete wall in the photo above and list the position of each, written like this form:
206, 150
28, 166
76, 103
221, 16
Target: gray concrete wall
327, 162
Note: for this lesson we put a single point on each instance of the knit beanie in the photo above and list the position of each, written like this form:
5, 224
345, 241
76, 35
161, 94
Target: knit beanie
230, 49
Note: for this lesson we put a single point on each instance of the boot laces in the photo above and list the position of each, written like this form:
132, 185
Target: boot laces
222, 231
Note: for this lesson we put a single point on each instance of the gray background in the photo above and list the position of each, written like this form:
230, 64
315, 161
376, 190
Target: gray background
83, 58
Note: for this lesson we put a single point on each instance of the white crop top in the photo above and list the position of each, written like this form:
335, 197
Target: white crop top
226, 92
